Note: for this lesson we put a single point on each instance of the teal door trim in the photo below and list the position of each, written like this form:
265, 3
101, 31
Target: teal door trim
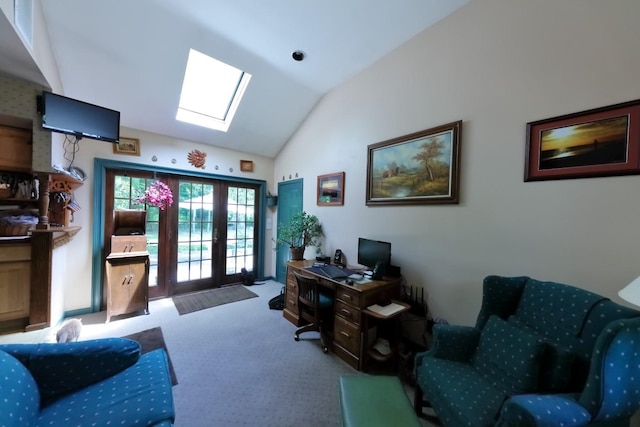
100, 167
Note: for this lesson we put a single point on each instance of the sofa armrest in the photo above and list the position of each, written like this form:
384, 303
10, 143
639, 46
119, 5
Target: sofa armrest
60, 368
543, 410
452, 342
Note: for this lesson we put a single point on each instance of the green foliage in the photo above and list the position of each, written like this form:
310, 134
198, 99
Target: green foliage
303, 230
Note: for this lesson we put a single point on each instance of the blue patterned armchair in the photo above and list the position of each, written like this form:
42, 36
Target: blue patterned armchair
95, 382
540, 354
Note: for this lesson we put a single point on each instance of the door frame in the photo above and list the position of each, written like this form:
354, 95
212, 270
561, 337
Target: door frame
100, 167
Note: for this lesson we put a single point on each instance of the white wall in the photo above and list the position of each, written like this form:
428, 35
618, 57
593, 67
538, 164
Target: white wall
495, 65
77, 293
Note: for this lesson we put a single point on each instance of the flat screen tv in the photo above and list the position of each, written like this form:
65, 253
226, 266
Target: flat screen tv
73, 117
372, 251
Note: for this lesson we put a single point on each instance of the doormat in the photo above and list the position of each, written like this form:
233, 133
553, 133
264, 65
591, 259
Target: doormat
195, 301
152, 339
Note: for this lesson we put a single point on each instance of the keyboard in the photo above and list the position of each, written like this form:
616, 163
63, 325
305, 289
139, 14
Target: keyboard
331, 271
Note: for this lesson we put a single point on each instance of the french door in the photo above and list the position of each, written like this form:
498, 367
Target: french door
202, 241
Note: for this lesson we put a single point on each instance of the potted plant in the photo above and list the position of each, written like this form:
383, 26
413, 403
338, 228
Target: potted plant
303, 230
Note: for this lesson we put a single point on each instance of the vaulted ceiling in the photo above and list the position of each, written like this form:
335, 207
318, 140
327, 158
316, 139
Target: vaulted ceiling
130, 56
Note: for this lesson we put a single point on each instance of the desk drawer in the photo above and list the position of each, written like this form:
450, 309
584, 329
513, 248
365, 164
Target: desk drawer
348, 312
347, 335
291, 299
348, 296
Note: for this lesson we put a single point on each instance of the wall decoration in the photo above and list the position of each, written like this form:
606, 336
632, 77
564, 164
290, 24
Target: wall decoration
600, 142
246, 165
330, 189
419, 168
129, 146
197, 158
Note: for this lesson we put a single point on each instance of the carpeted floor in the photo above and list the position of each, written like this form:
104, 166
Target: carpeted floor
188, 303
238, 364
152, 339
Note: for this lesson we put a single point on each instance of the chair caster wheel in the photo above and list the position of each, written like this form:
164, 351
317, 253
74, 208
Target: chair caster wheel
325, 349
297, 338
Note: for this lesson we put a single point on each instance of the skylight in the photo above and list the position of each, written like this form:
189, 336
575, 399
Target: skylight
211, 92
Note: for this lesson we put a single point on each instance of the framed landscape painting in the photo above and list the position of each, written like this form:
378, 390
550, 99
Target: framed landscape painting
331, 189
599, 142
129, 146
419, 168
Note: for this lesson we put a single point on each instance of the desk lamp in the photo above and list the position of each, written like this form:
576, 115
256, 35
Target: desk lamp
631, 292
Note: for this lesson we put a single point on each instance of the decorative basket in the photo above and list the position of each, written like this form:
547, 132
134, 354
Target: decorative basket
7, 229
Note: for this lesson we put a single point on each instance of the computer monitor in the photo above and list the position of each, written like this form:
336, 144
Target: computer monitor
372, 251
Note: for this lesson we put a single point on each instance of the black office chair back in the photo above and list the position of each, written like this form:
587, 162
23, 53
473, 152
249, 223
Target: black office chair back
308, 292
309, 308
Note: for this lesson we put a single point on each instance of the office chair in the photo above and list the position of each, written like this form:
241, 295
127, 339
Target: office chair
314, 307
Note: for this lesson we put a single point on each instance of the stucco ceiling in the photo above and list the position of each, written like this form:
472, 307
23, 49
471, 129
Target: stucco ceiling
130, 56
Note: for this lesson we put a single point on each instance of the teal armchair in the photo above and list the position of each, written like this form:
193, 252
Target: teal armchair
103, 381
540, 354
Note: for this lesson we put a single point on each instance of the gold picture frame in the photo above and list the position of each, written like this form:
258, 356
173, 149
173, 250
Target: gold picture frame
246, 165
419, 168
127, 146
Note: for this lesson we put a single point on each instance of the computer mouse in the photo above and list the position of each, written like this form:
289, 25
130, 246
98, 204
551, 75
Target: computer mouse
349, 282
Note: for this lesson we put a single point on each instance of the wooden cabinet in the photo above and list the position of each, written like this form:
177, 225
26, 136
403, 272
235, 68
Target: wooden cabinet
127, 266
15, 149
290, 311
127, 283
347, 331
15, 281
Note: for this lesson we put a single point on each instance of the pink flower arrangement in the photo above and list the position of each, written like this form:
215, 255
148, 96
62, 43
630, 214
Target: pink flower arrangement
158, 194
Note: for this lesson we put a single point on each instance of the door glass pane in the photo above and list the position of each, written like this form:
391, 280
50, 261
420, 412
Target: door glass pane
126, 189
195, 231
240, 226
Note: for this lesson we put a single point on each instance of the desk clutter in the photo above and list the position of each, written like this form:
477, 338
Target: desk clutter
350, 317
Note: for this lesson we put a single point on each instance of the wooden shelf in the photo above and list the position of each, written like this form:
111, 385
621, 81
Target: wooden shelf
63, 183
376, 355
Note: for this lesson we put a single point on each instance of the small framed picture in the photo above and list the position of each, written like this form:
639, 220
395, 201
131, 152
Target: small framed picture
331, 189
246, 165
128, 146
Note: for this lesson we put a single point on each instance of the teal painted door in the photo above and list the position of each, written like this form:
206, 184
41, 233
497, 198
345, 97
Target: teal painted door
289, 203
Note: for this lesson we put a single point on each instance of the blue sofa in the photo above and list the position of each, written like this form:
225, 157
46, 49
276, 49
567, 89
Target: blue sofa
95, 382
540, 354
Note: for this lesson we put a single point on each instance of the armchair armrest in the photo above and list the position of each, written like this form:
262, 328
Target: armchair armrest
543, 410
61, 368
452, 342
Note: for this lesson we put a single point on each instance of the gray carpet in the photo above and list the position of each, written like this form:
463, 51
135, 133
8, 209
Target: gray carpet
238, 364
196, 301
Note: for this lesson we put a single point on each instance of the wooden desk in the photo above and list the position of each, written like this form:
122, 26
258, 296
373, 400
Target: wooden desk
349, 335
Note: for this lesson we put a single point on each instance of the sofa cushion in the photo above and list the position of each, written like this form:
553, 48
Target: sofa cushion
458, 394
509, 357
555, 365
139, 395
19, 396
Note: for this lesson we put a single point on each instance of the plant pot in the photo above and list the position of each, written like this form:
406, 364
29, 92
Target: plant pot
297, 254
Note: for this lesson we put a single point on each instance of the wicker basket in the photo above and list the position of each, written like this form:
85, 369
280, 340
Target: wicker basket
7, 229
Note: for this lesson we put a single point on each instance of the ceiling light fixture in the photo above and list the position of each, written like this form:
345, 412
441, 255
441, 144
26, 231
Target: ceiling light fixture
297, 55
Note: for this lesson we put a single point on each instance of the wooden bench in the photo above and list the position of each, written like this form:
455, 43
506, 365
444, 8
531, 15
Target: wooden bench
372, 401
